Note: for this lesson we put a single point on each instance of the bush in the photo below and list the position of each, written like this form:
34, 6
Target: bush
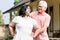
8, 38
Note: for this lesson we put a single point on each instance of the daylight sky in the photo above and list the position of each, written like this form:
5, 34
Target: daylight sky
6, 4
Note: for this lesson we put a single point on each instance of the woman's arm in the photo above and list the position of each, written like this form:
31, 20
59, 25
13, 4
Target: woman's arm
11, 25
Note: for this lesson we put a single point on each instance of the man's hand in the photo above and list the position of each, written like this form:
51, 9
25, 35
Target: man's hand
32, 34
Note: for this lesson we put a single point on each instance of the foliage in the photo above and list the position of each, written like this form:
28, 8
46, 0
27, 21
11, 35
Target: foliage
1, 20
16, 1
7, 38
7, 35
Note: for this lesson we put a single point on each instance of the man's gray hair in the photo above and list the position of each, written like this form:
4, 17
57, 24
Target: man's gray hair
44, 3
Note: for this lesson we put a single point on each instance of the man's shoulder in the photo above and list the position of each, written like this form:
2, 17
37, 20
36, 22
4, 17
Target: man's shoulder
47, 15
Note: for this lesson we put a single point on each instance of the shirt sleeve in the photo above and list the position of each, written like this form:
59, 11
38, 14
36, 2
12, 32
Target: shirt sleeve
47, 21
14, 20
33, 14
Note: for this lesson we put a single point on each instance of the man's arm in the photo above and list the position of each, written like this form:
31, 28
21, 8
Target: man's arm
37, 30
46, 24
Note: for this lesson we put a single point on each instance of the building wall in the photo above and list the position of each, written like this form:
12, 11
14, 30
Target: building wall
55, 5
56, 15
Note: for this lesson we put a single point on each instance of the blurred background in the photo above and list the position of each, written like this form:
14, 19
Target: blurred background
10, 8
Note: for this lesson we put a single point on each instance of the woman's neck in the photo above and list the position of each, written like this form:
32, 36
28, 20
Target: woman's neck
26, 17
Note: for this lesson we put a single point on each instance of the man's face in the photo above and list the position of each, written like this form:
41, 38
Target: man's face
41, 8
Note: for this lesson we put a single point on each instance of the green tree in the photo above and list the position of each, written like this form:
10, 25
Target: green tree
1, 20
16, 2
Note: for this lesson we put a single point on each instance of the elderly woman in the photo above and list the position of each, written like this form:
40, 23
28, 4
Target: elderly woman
24, 25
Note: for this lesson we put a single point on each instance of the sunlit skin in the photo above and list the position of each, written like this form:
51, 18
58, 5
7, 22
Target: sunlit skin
28, 10
41, 8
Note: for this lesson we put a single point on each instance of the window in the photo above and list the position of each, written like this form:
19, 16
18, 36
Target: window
59, 16
51, 23
47, 10
32, 0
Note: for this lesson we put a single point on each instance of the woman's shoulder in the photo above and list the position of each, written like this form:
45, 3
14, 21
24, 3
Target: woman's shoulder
32, 19
18, 17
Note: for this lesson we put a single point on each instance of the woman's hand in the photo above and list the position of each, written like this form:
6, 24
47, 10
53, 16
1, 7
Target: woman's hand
11, 26
13, 34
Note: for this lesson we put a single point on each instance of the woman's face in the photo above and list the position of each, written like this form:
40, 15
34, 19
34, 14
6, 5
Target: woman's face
28, 10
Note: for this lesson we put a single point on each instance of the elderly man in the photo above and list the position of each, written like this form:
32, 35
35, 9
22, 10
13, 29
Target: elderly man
43, 20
